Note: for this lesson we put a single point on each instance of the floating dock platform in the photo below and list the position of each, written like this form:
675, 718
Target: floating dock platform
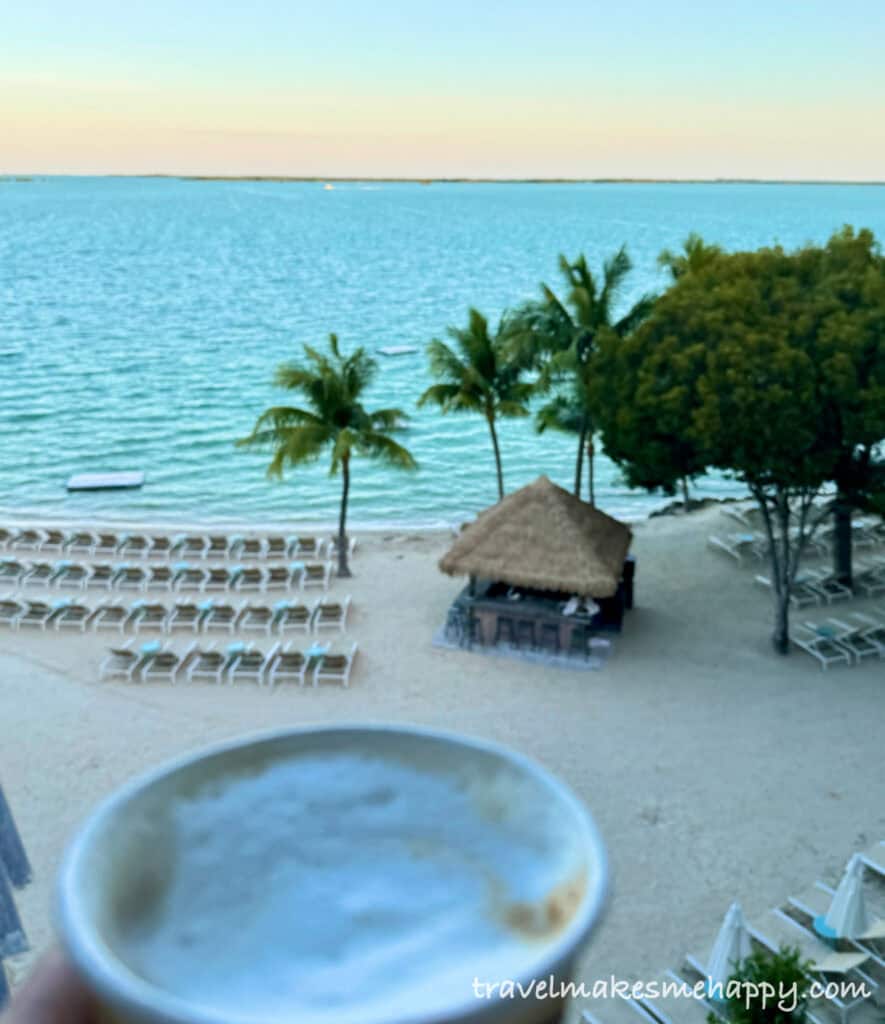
105, 481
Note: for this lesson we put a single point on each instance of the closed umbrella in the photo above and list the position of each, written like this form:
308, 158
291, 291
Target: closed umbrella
731, 946
847, 916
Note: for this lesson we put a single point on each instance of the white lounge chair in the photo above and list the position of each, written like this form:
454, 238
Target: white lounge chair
101, 575
291, 617
246, 547
331, 616
251, 665
71, 576
148, 615
135, 545
287, 667
257, 618
858, 640
167, 664
801, 594
187, 576
277, 577
106, 545
130, 577
36, 614
53, 541
7, 536
27, 540
276, 547
221, 618
306, 547
10, 610
335, 668
207, 664
119, 663
72, 616
12, 571
159, 577
39, 574
110, 615
218, 579
217, 546
736, 545
81, 544
820, 645
250, 579
160, 547
316, 575
186, 615
190, 546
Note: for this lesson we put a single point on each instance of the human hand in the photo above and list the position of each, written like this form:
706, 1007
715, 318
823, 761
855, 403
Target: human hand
53, 994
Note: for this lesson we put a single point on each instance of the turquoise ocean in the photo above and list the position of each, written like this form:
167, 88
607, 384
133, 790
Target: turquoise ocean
141, 321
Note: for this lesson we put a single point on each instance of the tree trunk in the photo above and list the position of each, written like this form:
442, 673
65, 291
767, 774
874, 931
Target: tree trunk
591, 476
579, 462
490, 416
685, 495
343, 567
842, 540
781, 638
780, 568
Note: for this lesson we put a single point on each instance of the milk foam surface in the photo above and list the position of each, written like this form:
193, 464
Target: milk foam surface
350, 886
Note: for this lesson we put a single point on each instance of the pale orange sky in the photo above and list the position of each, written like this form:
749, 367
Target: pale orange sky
448, 90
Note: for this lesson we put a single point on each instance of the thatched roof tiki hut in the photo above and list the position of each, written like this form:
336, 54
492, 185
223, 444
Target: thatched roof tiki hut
546, 570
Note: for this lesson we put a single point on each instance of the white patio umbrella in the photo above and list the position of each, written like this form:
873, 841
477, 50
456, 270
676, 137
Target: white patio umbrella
732, 944
847, 916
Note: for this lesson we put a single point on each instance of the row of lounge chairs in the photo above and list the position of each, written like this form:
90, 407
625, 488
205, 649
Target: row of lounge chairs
177, 576
238, 662
835, 641
813, 587
109, 543
859, 961
206, 616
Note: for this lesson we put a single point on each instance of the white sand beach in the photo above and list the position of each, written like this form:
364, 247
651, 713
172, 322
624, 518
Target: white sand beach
716, 770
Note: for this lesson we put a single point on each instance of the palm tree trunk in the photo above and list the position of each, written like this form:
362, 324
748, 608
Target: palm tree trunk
591, 476
685, 495
343, 567
842, 540
579, 462
490, 416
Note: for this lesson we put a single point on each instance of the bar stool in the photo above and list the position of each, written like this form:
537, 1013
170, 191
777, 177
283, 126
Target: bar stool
504, 630
550, 637
525, 633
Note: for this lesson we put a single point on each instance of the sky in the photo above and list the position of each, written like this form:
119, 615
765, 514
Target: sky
462, 88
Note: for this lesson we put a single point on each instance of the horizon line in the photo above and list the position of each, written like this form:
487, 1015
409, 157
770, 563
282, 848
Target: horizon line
23, 177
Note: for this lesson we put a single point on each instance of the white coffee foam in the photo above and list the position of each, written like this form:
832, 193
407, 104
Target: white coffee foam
343, 886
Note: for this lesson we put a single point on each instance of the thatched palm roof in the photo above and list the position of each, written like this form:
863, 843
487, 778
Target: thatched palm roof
542, 536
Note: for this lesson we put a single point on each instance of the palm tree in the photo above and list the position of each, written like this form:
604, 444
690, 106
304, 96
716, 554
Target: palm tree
695, 255
559, 336
332, 417
478, 375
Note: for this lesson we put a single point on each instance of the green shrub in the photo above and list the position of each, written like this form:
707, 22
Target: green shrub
768, 988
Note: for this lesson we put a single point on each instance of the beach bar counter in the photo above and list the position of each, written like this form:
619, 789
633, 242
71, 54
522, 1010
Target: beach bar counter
547, 572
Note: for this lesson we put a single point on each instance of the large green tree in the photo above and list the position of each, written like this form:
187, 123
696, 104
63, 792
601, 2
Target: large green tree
559, 338
773, 367
332, 418
478, 374
644, 398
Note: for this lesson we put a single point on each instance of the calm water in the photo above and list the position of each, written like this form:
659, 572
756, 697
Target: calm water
141, 320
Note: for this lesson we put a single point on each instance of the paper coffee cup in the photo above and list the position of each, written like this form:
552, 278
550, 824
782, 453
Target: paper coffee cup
344, 875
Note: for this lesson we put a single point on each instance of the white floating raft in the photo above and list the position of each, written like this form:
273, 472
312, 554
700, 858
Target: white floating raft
104, 481
397, 350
